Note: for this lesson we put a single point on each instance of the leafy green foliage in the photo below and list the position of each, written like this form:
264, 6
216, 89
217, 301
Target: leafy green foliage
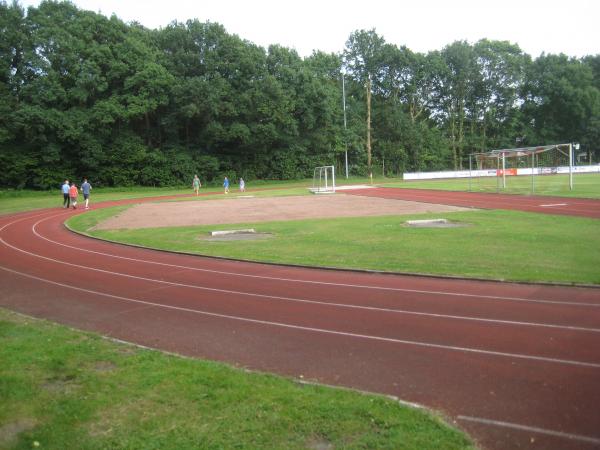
85, 95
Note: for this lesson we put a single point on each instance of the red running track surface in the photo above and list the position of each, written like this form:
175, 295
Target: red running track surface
517, 366
582, 207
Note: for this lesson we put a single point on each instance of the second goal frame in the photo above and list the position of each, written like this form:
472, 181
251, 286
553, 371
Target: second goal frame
323, 180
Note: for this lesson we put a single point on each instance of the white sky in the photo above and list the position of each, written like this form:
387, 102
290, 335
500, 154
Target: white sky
550, 26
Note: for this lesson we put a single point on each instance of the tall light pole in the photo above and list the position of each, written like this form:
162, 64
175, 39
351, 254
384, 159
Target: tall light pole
345, 133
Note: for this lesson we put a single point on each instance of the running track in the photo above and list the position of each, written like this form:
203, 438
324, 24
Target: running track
541, 204
517, 366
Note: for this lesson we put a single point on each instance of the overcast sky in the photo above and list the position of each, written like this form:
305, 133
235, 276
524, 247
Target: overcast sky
550, 26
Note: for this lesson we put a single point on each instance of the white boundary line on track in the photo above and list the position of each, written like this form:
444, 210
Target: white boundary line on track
314, 302
537, 430
320, 330
358, 286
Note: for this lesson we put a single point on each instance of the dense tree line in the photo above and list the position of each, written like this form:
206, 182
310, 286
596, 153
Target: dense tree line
86, 95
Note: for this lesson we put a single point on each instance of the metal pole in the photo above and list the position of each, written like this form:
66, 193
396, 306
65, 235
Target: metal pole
345, 134
497, 170
320, 178
333, 177
571, 166
503, 171
532, 176
470, 169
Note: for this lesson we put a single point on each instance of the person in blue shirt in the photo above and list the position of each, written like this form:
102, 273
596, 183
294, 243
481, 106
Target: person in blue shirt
226, 185
85, 189
65, 192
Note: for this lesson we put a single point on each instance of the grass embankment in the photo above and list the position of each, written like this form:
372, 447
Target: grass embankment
62, 389
496, 244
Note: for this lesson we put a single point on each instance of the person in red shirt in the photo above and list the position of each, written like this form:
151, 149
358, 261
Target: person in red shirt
73, 195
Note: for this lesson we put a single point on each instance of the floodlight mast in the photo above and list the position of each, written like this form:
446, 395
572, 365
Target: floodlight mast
503, 170
345, 133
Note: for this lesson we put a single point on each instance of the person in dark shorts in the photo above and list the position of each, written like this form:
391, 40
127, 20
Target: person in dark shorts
65, 191
85, 189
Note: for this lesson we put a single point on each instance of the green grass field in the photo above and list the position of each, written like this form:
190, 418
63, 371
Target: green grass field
584, 185
62, 389
505, 245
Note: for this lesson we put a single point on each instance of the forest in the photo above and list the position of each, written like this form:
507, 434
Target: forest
84, 95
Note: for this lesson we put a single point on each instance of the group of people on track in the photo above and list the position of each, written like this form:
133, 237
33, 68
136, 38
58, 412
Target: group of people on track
196, 185
70, 193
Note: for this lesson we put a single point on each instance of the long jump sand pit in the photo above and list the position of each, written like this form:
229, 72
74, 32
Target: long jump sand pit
250, 210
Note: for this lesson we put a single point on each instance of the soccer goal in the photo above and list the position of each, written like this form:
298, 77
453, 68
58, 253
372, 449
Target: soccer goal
546, 169
323, 180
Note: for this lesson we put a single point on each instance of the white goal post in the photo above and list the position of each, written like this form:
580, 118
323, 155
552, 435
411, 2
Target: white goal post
550, 166
323, 180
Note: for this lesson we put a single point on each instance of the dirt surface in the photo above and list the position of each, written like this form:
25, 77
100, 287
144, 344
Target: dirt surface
249, 210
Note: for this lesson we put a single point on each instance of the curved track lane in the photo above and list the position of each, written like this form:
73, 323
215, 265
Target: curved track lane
515, 365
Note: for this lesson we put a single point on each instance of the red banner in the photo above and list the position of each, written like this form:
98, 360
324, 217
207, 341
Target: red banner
506, 172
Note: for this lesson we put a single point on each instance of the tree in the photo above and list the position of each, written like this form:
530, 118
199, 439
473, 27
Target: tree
562, 101
364, 61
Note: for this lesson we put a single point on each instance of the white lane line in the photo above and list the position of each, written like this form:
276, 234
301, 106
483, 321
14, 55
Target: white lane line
32, 216
323, 283
553, 204
306, 301
515, 426
322, 330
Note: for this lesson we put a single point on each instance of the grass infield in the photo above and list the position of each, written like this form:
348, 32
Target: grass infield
495, 244
62, 389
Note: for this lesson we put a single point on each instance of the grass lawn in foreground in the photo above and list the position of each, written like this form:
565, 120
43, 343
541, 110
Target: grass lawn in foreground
495, 244
62, 389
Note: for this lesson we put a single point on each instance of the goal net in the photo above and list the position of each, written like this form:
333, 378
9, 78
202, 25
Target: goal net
323, 180
547, 169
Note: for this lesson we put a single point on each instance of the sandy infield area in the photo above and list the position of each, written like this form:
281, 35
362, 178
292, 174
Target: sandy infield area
249, 210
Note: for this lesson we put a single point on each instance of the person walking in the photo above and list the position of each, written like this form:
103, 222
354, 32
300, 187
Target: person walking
65, 192
85, 189
242, 185
73, 195
226, 185
196, 184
